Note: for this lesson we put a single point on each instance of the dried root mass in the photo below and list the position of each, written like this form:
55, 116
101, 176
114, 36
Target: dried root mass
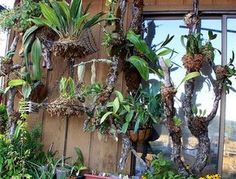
65, 107
221, 72
193, 63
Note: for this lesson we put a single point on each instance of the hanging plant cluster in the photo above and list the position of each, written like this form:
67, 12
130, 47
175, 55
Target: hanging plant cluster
72, 24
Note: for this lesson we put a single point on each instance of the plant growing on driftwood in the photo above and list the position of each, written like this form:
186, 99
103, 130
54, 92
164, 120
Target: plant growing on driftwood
197, 54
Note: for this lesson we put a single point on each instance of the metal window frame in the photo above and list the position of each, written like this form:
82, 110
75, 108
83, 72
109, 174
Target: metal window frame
223, 15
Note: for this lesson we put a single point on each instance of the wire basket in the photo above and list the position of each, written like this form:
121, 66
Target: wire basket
65, 107
79, 48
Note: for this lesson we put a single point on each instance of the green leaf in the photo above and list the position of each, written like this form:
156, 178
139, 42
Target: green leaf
28, 33
116, 105
36, 53
70, 87
74, 8
129, 116
194, 110
141, 46
26, 90
189, 77
15, 83
136, 127
119, 95
93, 21
211, 35
167, 40
127, 107
125, 127
141, 65
164, 52
50, 15
104, 117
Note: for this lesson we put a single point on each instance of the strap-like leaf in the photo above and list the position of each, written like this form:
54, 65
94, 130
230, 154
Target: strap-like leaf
36, 58
104, 117
93, 21
74, 7
49, 14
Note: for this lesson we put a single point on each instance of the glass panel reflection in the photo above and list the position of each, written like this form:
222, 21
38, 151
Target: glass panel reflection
204, 94
229, 155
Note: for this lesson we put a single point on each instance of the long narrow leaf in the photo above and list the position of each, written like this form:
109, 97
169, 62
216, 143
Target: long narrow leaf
189, 77
49, 14
93, 21
36, 58
75, 5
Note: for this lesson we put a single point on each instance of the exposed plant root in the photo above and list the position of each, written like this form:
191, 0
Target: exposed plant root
193, 63
65, 107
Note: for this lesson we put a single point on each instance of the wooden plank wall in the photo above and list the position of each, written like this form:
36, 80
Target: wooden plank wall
101, 155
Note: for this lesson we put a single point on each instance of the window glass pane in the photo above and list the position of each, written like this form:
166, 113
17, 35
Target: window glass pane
3, 34
203, 88
229, 156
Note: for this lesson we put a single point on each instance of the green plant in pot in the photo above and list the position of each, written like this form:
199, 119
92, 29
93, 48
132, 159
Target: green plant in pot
71, 23
78, 166
132, 115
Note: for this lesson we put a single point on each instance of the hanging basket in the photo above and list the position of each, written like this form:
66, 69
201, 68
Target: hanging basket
78, 48
140, 135
65, 107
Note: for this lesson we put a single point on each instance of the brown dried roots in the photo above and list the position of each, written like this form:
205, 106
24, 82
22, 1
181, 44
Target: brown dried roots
198, 125
6, 67
193, 63
167, 93
65, 107
221, 72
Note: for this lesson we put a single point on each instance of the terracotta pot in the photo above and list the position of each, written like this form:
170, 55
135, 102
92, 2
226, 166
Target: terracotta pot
140, 135
89, 176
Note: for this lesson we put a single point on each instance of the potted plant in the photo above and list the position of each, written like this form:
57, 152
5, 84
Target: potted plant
78, 165
63, 170
133, 115
71, 24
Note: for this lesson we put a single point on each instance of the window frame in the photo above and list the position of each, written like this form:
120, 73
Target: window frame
223, 16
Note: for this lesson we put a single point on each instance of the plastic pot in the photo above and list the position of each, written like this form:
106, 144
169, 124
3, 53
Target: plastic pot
89, 176
62, 173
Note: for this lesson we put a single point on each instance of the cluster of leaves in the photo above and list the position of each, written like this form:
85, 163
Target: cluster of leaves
69, 21
133, 112
195, 44
3, 118
160, 168
18, 18
17, 154
67, 88
231, 72
198, 112
149, 62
